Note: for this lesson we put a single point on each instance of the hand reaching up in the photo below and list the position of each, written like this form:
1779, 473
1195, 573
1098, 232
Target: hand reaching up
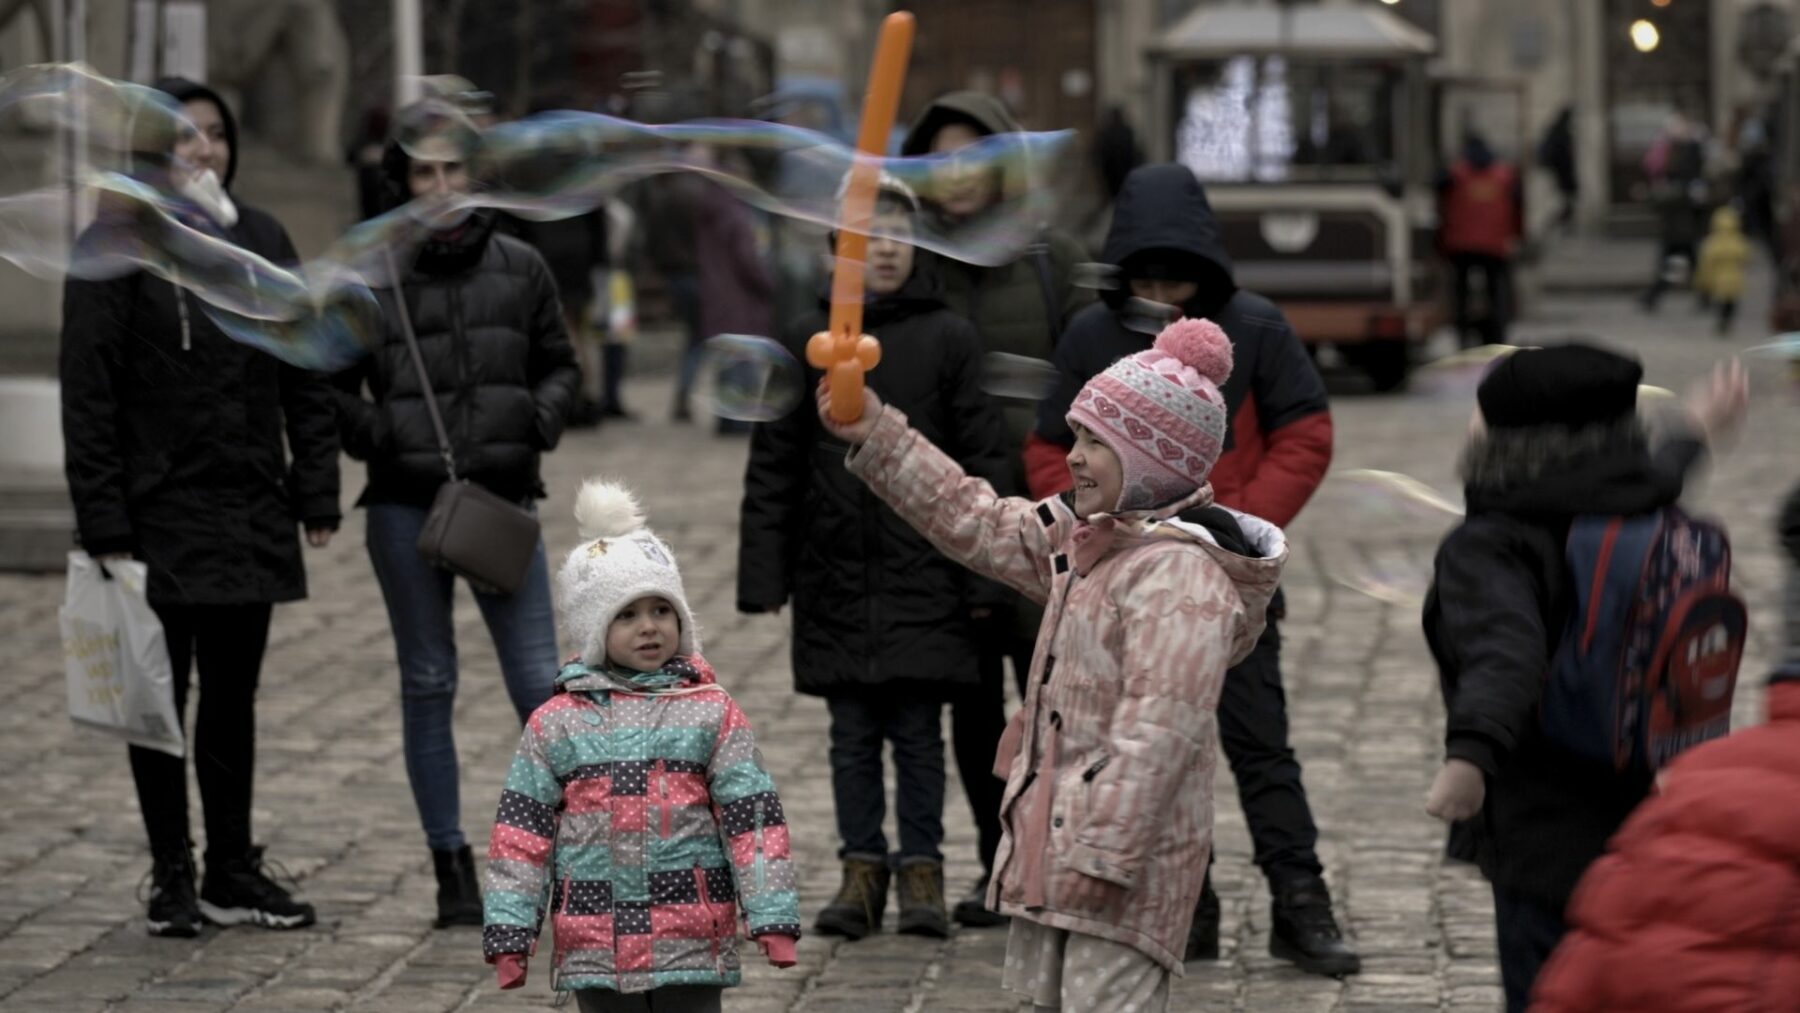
853, 432
1719, 402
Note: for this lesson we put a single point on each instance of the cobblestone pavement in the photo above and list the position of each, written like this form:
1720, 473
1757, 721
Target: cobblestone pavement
333, 804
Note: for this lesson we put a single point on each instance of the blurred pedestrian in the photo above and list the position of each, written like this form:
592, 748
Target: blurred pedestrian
491, 336
737, 287
574, 249
1107, 809
1556, 436
364, 158
1676, 168
1019, 308
640, 706
670, 210
882, 623
1168, 248
1719, 279
1481, 220
174, 436
1556, 153
1116, 150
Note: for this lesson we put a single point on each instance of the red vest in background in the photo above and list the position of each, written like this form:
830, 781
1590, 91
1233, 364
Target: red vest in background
1481, 209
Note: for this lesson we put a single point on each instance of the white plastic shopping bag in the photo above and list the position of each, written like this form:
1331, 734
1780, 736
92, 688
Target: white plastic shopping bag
114, 656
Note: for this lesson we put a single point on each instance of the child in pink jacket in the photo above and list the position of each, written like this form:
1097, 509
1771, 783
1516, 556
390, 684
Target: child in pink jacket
1108, 805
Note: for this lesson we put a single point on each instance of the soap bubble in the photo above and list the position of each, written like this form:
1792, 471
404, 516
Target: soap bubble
1779, 346
748, 379
1386, 527
1021, 377
335, 335
1457, 376
1090, 274
1147, 316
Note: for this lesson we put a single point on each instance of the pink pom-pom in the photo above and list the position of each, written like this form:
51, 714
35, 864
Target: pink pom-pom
1198, 343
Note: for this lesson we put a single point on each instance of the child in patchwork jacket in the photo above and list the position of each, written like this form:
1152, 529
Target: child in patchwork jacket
1107, 813
637, 813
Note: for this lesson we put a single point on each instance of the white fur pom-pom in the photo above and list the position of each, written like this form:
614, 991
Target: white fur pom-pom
606, 509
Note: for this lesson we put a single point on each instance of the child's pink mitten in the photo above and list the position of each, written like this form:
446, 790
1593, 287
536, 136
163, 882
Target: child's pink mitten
779, 950
510, 969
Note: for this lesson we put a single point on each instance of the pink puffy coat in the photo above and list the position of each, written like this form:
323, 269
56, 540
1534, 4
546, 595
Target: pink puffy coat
1109, 766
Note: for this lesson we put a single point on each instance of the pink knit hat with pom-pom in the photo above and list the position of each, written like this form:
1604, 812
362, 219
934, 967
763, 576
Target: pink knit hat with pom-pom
1162, 413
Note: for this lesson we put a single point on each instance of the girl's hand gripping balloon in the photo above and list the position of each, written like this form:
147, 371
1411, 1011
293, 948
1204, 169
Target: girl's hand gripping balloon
843, 351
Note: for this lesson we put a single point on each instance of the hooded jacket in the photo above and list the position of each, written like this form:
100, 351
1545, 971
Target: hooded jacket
1109, 765
1695, 908
174, 434
875, 607
1719, 276
491, 331
1481, 204
1278, 447
1006, 303
643, 821
1498, 604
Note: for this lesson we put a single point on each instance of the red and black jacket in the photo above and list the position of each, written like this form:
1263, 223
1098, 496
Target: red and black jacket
1279, 444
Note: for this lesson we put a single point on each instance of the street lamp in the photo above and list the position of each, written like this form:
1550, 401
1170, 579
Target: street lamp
1644, 35
409, 52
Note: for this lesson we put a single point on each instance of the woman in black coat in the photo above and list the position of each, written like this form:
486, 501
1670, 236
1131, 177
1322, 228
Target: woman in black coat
490, 330
173, 440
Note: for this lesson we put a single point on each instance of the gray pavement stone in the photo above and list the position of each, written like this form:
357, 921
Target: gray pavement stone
333, 803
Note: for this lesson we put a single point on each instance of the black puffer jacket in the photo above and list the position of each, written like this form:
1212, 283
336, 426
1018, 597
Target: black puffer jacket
173, 433
491, 331
875, 606
1497, 607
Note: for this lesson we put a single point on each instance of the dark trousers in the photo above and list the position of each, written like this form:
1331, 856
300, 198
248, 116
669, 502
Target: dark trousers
666, 999
1660, 283
978, 719
1528, 933
1497, 275
859, 727
226, 642
1253, 728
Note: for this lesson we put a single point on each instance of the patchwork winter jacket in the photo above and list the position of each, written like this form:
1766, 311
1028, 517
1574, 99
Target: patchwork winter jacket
1109, 765
642, 820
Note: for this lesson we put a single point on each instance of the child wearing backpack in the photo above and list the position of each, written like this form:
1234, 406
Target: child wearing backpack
637, 813
1556, 459
1107, 813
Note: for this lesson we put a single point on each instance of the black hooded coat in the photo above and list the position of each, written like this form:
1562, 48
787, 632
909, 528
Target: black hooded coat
173, 433
875, 606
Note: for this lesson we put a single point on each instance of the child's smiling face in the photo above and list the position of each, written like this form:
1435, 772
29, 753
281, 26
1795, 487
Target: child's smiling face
1098, 477
644, 635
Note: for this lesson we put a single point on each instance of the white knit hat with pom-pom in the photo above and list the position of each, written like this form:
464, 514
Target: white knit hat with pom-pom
1161, 411
619, 561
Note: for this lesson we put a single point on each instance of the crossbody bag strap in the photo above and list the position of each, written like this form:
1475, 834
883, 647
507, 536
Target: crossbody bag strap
418, 360
1040, 262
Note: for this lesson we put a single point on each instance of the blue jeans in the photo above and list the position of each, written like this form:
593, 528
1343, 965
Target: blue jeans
858, 730
419, 597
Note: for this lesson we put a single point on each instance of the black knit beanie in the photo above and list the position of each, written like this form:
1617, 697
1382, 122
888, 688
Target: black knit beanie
1570, 385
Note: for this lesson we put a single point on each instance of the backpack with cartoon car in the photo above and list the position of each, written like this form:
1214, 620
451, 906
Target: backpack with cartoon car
1648, 664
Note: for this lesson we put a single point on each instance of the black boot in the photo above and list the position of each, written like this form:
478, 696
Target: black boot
921, 890
1203, 934
173, 907
459, 893
861, 901
1303, 930
972, 911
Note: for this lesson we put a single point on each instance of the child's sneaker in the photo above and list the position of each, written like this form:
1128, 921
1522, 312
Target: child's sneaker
239, 891
861, 901
173, 910
921, 890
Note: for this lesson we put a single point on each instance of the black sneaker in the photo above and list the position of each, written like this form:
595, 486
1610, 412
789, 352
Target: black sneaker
972, 911
172, 909
239, 891
1303, 930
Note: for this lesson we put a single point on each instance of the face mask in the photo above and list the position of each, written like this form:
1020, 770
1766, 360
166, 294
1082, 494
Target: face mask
205, 191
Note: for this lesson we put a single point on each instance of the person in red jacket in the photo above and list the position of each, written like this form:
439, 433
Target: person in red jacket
1166, 244
1695, 908
1480, 220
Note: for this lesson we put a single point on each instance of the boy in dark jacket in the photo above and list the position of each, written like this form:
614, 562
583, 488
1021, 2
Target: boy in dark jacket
1557, 435
882, 621
1166, 244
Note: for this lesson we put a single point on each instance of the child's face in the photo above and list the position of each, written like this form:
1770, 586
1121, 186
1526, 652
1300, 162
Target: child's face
890, 260
644, 635
1098, 477
1169, 293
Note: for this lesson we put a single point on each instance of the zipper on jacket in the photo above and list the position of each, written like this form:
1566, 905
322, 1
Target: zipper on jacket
758, 865
459, 354
1094, 771
662, 787
181, 310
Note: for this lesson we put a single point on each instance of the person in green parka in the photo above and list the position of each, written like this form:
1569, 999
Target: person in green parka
1018, 308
